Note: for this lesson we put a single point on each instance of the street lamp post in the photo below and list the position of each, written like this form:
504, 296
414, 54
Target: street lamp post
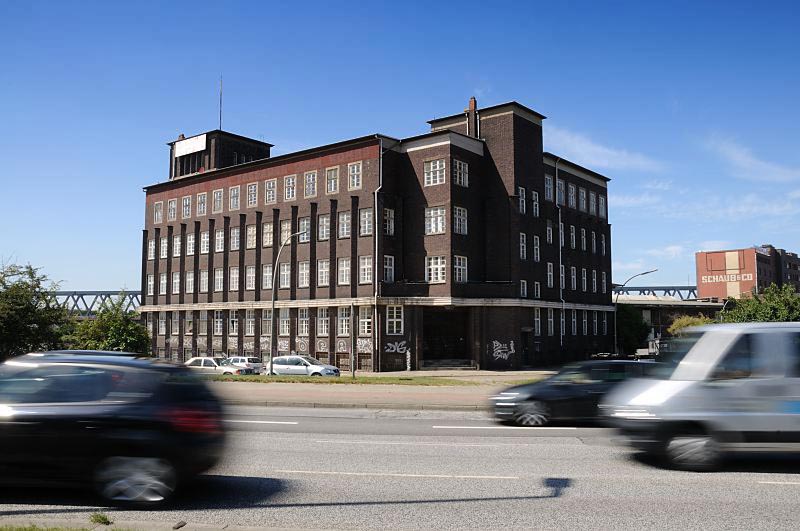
616, 298
272, 340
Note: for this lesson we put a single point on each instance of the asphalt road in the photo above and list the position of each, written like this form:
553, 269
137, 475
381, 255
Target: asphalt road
345, 469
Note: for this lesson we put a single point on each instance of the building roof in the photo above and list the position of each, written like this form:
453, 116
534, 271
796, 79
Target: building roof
562, 160
226, 133
490, 108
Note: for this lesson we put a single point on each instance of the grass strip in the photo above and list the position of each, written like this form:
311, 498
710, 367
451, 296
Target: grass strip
429, 381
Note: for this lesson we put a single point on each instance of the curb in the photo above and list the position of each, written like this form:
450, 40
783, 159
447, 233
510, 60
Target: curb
330, 405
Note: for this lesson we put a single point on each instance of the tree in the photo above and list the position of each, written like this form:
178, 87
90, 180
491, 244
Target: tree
30, 317
774, 304
113, 328
632, 330
684, 321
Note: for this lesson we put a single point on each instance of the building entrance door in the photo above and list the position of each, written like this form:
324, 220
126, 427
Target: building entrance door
445, 338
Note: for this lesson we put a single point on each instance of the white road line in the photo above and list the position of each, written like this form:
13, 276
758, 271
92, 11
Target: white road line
387, 443
779, 482
391, 475
261, 421
501, 428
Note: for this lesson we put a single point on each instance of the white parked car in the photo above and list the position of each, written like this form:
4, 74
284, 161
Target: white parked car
247, 362
208, 365
302, 366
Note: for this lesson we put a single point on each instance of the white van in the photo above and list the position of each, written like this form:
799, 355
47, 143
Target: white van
719, 389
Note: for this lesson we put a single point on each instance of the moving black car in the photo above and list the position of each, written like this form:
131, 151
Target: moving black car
572, 394
134, 428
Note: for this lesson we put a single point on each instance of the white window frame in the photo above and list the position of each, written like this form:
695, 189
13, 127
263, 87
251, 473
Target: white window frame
460, 269
550, 274
151, 249
365, 269
394, 320
310, 184
250, 278
435, 220
249, 322
163, 247
461, 173
284, 322
219, 240
176, 246
217, 200
271, 191
332, 180
535, 203
550, 322
323, 322
343, 229
289, 188
158, 212
523, 246
303, 274
323, 227
250, 237
537, 290
151, 284
435, 269
285, 231
583, 239
582, 199
388, 222
548, 187
537, 321
219, 279
536, 249
571, 195
343, 271
601, 206
523, 289
388, 268
573, 275
285, 276
364, 321
354, 176
252, 195
561, 193
188, 281
203, 287
303, 322
583, 279
592, 203
186, 207
202, 204
205, 242
594, 280
266, 276
233, 278
323, 272
267, 234
343, 321
190, 244
365, 225
235, 238
522, 199
460, 220
434, 172
304, 228
172, 209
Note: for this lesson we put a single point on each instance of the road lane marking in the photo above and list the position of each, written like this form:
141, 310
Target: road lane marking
391, 475
387, 443
779, 482
261, 421
501, 428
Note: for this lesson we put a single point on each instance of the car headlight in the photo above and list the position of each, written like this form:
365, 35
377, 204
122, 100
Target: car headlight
508, 397
630, 413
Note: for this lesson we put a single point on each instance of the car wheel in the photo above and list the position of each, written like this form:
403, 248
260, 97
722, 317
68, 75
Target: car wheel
136, 480
533, 413
316, 374
695, 451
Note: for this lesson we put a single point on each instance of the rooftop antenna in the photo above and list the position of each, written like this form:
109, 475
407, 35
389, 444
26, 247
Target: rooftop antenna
220, 102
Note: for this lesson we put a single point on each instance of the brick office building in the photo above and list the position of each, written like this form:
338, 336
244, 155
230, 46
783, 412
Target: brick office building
464, 246
737, 272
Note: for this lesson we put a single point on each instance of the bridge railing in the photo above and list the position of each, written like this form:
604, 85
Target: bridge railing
679, 292
88, 303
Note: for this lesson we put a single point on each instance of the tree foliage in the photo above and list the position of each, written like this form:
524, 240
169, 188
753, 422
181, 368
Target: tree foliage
685, 321
774, 304
632, 330
113, 328
30, 318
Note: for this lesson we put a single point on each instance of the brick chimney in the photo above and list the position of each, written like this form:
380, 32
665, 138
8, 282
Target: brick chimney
472, 117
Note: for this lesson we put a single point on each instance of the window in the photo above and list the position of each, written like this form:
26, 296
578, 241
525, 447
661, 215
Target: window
343, 272
218, 278
190, 244
603, 281
323, 272
562, 276
233, 278
323, 322
233, 198
583, 279
594, 321
310, 189
186, 211
388, 221
188, 323
537, 321
521, 197
434, 172
592, 203
343, 322
434, 220
523, 289
289, 188
303, 273
435, 271
549, 233
162, 323
594, 281
605, 323
365, 222
204, 242
364, 321
461, 173
324, 227
304, 228
571, 195
219, 240
158, 212
252, 194
286, 231
266, 322
151, 282
573, 275
537, 290
267, 234
189, 281
332, 180
270, 191
585, 322
233, 323
354, 172
163, 249
460, 220
266, 276
204, 281
559, 192
459, 269
594, 243
172, 209
151, 249
535, 204
249, 322
548, 187
216, 205
394, 320
562, 318
283, 322
574, 327
302, 322
285, 276
561, 233
234, 238
201, 204
549, 274
602, 206
218, 322
344, 225
582, 200
536, 254
603, 244
388, 268
364, 269
583, 239
572, 236
250, 278
250, 236
549, 321
523, 246
162, 284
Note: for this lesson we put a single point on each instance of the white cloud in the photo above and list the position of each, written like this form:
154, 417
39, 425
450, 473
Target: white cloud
714, 245
661, 186
670, 252
583, 150
632, 200
729, 208
635, 265
745, 165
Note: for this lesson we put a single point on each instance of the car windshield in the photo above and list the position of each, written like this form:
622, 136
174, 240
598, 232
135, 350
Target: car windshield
671, 353
573, 373
310, 360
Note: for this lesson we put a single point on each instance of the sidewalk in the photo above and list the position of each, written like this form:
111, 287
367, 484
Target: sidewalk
376, 396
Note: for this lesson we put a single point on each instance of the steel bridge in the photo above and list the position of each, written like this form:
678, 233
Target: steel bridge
679, 292
88, 303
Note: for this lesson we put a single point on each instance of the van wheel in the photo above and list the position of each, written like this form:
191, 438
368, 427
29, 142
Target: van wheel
695, 451
136, 480
533, 413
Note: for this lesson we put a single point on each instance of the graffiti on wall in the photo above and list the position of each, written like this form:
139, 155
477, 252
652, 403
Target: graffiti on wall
502, 351
283, 345
265, 342
233, 342
302, 344
322, 345
364, 345
400, 347
341, 346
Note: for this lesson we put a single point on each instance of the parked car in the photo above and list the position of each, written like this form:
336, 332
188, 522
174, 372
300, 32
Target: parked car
248, 363
134, 428
301, 365
208, 365
573, 393
719, 389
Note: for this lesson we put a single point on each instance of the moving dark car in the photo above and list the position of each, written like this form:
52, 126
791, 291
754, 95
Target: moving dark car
133, 428
572, 394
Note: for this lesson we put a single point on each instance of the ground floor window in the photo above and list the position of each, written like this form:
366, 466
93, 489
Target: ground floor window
394, 320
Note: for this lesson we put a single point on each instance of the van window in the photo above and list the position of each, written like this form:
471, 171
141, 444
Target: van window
737, 363
253, 360
794, 356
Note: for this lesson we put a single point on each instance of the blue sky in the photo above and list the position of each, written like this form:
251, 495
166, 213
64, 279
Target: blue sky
691, 108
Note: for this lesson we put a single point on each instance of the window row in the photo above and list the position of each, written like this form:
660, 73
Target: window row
599, 322
435, 171
574, 278
575, 197
573, 238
